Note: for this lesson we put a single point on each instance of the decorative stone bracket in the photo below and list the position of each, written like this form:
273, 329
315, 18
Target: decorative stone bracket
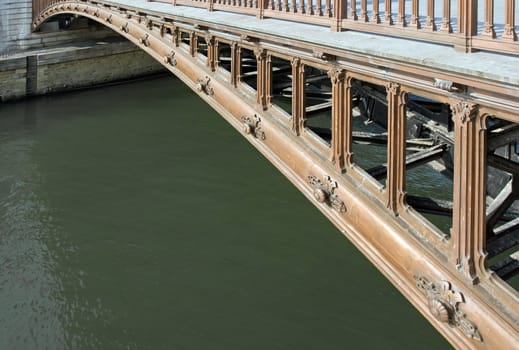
252, 126
324, 192
125, 28
323, 56
444, 305
170, 58
144, 40
202, 85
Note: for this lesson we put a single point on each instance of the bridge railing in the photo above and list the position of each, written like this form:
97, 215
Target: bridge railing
468, 25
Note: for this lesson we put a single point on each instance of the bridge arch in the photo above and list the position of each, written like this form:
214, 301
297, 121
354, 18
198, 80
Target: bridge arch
328, 177
158, 39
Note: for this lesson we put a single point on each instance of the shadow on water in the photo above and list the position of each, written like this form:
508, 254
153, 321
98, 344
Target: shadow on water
134, 217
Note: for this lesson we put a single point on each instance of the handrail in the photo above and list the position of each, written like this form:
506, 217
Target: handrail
468, 25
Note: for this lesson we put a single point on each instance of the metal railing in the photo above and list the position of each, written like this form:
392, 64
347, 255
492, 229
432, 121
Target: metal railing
468, 25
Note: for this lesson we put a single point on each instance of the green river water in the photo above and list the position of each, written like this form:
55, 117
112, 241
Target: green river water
134, 217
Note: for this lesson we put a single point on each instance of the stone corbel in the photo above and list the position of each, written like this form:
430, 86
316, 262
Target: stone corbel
323, 56
148, 23
245, 37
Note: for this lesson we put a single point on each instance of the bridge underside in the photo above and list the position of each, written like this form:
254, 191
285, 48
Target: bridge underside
315, 110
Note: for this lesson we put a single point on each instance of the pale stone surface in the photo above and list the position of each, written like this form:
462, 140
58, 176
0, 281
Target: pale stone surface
15, 22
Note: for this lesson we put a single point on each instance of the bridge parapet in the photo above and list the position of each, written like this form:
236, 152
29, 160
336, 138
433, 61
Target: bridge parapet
468, 25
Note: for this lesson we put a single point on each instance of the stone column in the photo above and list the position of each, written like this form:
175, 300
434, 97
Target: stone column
469, 185
396, 109
235, 63
211, 52
261, 86
340, 131
298, 95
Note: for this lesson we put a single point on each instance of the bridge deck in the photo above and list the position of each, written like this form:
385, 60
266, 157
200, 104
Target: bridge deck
485, 65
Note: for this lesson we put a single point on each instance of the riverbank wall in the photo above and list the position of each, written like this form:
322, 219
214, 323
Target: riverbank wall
62, 56
72, 66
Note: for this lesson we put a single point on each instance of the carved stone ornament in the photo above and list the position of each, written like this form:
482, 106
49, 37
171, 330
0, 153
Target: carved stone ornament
170, 59
464, 111
252, 126
336, 75
323, 56
444, 305
392, 88
109, 19
202, 85
245, 37
324, 192
144, 40
125, 28
446, 85
148, 23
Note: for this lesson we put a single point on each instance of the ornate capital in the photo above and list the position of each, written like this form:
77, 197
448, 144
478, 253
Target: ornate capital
260, 53
464, 111
392, 88
295, 62
444, 304
209, 39
337, 75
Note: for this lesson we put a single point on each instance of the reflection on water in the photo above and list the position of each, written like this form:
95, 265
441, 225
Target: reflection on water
30, 306
133, 217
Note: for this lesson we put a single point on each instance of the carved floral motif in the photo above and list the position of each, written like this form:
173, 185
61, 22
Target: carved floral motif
170, 58
252, 126
444, 304
203, 85
324, 192
464, 111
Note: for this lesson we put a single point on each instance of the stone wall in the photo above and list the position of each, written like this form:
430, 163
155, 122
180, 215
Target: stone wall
16, 36
70, 67
15, 22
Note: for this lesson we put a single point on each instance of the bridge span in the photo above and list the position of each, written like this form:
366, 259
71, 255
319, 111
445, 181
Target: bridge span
316, 84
